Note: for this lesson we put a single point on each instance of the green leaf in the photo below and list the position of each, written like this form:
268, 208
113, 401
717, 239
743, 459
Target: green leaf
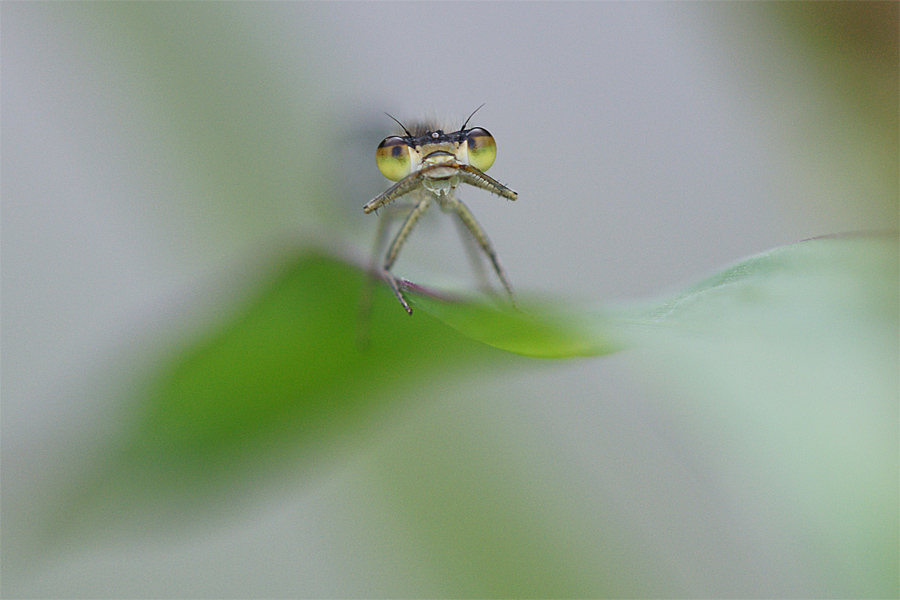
812, 288
782, 371
284, 381
288, 371
539, 330
288, 377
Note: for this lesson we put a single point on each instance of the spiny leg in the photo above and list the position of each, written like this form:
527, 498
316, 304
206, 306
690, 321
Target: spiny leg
468, 219
474, 254
389, 215
391, 257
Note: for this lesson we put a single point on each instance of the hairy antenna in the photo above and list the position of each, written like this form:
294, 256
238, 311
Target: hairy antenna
470, 116
402, 126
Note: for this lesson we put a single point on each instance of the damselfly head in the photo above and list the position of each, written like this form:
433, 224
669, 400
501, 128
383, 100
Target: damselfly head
398, 157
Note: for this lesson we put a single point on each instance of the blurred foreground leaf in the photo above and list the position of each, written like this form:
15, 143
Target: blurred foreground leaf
816, 288
288, 371
780, 375
540, 330
791, 354
786, 365
284, 379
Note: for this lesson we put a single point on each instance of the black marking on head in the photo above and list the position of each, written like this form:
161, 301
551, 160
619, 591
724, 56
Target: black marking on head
426, 132
424, 128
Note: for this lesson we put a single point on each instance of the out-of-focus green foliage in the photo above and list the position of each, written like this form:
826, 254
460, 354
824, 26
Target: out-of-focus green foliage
288, 375
786, 363
808, 288
539, 330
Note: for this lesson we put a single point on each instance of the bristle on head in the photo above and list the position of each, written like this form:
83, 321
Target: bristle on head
420, 128
432, 123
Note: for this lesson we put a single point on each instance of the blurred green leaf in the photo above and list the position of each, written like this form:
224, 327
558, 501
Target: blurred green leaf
787, 364
288, 369
813, 288
784, 366
820, 283
285, 378
292, 363
539, 330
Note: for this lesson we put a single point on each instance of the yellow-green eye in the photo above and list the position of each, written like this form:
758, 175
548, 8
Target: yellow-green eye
481, 147
394, 158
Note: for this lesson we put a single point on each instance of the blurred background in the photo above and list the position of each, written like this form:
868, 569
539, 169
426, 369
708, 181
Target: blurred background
156, 157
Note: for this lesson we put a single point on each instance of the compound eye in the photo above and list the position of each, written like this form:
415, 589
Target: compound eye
481, 148
394, 158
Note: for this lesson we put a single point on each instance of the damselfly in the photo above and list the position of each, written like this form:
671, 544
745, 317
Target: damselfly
428, 165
